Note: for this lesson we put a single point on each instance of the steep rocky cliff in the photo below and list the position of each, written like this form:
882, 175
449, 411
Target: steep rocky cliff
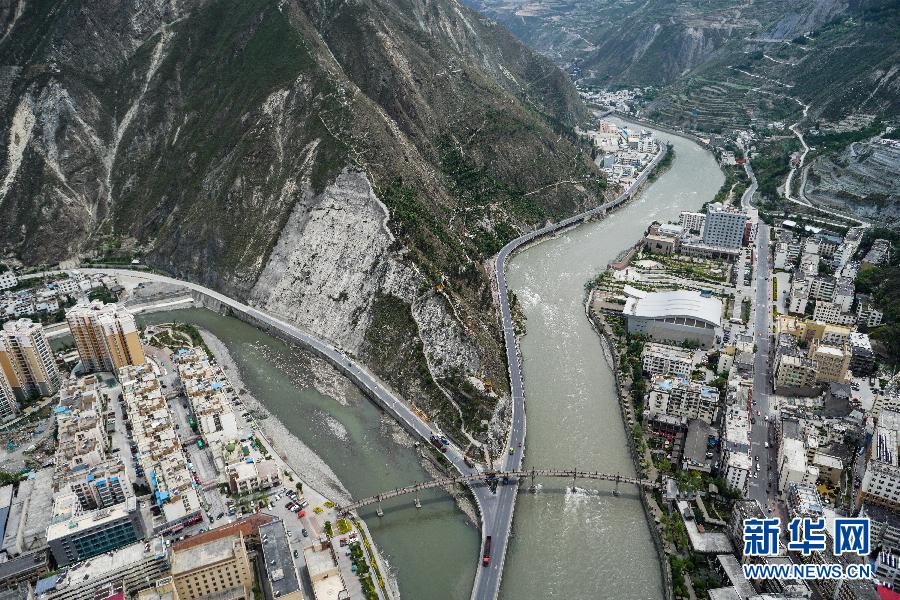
346, 164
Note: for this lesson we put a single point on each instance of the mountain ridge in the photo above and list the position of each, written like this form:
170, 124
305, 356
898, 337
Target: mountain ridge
202, 134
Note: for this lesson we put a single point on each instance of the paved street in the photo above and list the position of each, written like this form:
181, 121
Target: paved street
760, 430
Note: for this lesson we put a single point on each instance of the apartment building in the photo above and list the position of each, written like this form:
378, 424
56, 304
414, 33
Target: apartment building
660, 359
219, 566
724, 226
794, 371
866, 313
160, 454
804, 501
27, 361
692, 222
248, 477
678, 396
832, 362
798, 297
106, 336
862, 358
878, 254
80, 425
881, 483
792, 465
832, 312
821, 288
844, 293
738, 467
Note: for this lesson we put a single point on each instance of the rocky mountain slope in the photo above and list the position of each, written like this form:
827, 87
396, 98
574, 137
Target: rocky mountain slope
863, 179
724, 64
346, 164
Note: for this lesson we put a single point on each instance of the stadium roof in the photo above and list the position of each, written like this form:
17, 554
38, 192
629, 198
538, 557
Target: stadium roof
679, 303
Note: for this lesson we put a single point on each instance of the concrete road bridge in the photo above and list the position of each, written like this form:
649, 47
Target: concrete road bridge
497, 477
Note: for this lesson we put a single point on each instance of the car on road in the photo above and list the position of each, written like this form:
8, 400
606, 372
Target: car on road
296, 553
304, 532
767, 444
511, 451
220, 515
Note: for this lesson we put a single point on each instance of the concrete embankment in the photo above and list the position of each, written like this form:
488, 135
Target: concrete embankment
608, 342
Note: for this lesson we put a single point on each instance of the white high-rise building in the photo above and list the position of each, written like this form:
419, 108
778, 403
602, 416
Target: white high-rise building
692, 221
724, 227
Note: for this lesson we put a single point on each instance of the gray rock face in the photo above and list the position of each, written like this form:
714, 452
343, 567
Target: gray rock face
332, 258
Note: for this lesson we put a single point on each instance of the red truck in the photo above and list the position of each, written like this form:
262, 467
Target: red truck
486, 558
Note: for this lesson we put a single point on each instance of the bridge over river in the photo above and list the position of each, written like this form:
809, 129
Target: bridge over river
493, 477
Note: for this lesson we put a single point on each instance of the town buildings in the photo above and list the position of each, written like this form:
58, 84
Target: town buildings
26, 360
659, 359
160, 454
682, 397
8, 279
204, 387
106, 336
218, 566
80, 425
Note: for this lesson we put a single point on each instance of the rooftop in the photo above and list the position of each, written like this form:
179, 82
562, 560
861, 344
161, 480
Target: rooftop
279, 563
736, 575
708, 542
679, 303
212, 552
104, 564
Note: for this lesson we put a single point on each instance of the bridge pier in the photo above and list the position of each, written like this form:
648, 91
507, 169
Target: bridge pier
616, 491
379, 512
533, 487
574, 479
418, 502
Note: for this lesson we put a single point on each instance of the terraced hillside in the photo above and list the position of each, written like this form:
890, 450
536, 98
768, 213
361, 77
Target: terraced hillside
725, 64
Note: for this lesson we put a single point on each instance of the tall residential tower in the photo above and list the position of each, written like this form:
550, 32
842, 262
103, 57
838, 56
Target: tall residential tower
27, 360
106, 336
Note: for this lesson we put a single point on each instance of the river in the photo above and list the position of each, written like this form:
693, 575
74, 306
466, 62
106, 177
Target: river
586, 544
428, 549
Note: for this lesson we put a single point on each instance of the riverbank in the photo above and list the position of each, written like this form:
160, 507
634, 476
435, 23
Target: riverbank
645, 468
571, 398
302, 459
317, 477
